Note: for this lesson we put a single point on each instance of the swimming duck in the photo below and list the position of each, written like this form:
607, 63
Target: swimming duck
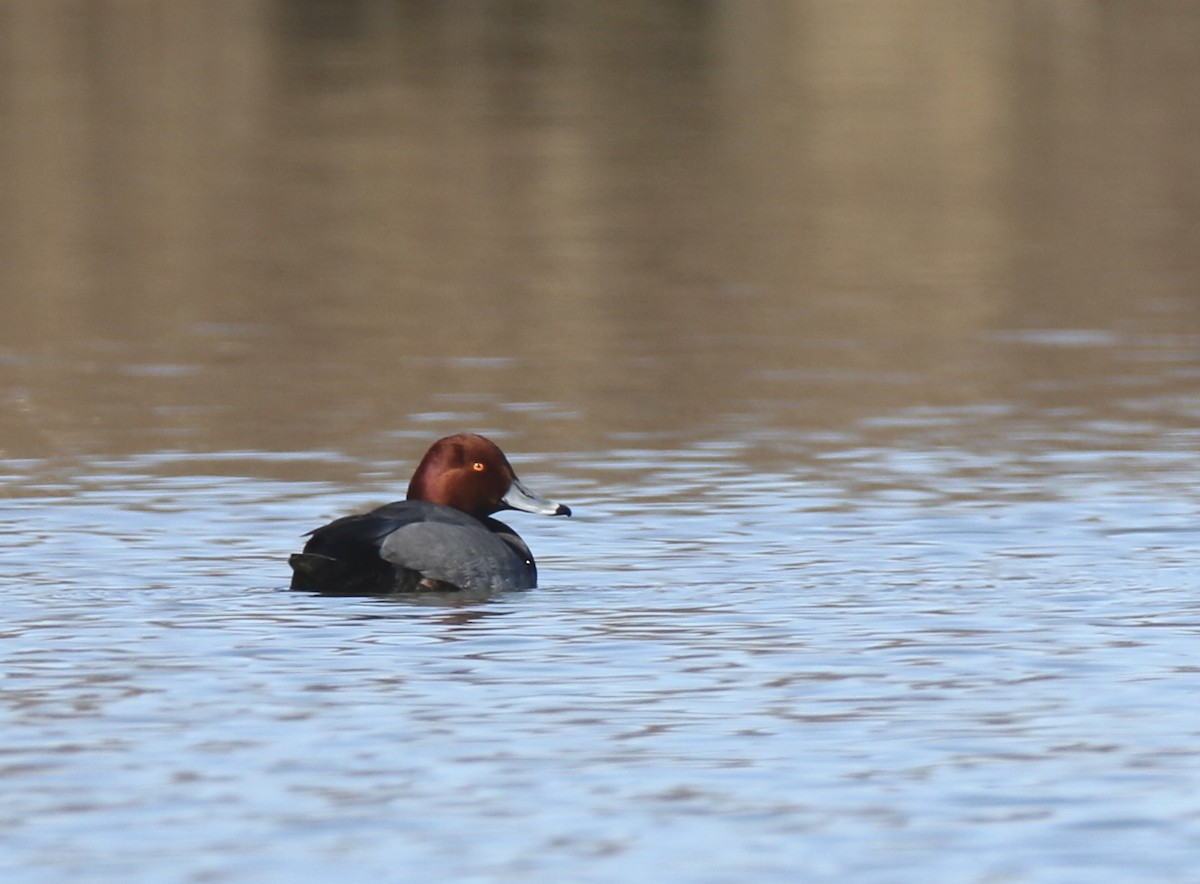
441, 538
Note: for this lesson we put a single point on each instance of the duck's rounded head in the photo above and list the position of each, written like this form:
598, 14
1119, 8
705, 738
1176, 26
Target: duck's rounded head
470, 473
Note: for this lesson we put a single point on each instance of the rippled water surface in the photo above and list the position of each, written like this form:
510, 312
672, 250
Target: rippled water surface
863, 341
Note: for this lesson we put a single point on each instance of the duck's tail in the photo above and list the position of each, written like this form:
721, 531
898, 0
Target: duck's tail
312, 572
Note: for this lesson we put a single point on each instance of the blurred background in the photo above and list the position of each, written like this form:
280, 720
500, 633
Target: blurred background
314, 225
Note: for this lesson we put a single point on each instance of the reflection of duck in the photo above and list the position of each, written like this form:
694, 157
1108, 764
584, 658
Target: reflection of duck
440, 538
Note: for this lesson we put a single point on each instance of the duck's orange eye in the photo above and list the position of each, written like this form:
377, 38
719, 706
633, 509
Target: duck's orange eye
478, 467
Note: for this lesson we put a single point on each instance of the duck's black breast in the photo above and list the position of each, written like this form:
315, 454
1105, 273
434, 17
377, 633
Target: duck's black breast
412, 545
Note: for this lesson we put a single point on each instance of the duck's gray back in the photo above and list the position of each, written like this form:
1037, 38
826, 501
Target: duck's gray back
467, 554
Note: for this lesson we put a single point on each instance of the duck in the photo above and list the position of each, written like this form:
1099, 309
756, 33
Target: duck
440, 538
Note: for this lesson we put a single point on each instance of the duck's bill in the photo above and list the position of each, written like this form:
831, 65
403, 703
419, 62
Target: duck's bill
518, 497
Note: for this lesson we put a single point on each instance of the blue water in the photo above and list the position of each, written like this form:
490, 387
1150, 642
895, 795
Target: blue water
950, 673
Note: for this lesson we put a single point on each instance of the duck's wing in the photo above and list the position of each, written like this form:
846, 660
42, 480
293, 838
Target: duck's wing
408, 546
467, 556
343, 557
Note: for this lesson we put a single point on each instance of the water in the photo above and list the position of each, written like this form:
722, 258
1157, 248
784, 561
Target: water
869, 371
725, 673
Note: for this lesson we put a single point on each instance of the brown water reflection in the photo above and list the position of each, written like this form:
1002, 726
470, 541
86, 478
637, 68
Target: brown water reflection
304, 225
